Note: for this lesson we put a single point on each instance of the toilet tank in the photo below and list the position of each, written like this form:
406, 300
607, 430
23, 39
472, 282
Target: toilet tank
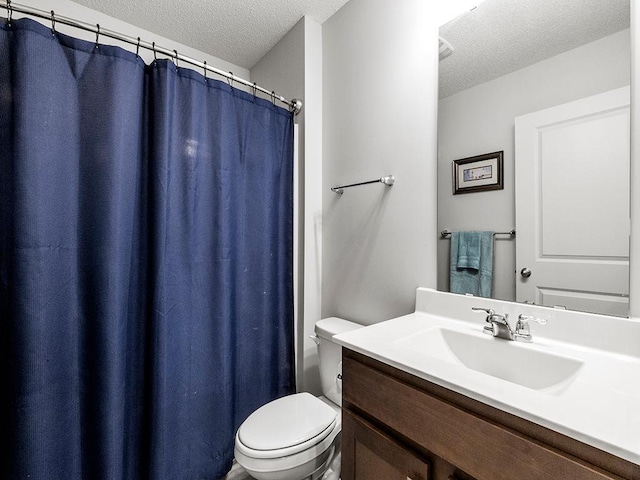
331, 355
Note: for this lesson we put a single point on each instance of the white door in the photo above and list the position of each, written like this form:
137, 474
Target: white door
572, 204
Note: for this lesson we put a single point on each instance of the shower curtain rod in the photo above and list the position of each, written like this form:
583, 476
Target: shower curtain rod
295, 105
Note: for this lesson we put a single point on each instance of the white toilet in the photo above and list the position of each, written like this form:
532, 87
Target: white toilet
298, 436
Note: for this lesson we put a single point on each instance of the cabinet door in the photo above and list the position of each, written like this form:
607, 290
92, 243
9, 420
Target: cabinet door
368, 453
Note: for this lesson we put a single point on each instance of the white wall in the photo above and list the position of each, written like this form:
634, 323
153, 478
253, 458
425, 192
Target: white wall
481, 120
379, 94
66, 8
294, 68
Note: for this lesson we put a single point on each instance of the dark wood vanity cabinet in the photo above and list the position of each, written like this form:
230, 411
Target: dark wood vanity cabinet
397, 426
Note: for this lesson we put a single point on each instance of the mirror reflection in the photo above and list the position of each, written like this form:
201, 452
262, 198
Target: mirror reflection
545, 83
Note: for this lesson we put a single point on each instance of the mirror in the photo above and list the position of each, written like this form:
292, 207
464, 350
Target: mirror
512, 59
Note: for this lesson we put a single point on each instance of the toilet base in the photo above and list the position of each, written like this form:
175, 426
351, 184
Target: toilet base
324, 467
333, 472
311, 470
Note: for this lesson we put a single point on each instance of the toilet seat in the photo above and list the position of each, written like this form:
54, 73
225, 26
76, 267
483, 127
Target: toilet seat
275, 466
287, 426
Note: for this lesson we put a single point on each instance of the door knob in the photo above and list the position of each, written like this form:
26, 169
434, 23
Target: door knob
525, 272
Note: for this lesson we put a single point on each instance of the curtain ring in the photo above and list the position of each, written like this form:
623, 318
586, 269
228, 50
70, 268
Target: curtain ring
10, 8
254, 88
138, 47
153, 46
53, 22
230, 79
205, 69
97, 34
273, 98
176, 52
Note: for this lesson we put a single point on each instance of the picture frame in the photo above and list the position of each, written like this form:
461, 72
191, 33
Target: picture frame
479, 173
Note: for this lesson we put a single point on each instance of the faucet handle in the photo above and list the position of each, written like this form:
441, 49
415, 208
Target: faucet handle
522, 326
488, 311
491, 328
524, 319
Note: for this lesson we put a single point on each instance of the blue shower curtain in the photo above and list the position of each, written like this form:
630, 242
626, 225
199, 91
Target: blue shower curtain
145, 262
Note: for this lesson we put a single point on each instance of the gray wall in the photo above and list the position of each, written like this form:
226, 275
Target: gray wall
379, 117
481, 120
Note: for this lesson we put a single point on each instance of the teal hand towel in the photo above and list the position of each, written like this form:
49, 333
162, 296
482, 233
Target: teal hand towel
471, 263
469, 249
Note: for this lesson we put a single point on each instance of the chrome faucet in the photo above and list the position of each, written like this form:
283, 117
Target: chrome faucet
498, 325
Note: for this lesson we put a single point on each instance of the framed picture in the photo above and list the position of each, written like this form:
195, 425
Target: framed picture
478, 174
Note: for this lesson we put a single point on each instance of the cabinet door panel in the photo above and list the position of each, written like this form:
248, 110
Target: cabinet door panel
368, 453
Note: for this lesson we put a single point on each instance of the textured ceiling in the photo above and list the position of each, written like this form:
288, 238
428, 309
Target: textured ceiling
238, 31
502, 36
498, 37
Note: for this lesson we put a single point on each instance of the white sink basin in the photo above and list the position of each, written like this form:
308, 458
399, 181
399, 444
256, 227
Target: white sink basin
514, 362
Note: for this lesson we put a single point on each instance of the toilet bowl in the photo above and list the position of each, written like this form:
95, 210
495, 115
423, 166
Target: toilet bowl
297, 437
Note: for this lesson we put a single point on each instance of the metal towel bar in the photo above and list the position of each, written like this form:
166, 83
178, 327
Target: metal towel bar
511, 233
388, 181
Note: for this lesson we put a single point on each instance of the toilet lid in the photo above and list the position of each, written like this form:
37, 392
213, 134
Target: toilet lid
286, 422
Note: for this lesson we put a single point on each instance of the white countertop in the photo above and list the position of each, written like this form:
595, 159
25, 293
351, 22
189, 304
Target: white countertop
600, 406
